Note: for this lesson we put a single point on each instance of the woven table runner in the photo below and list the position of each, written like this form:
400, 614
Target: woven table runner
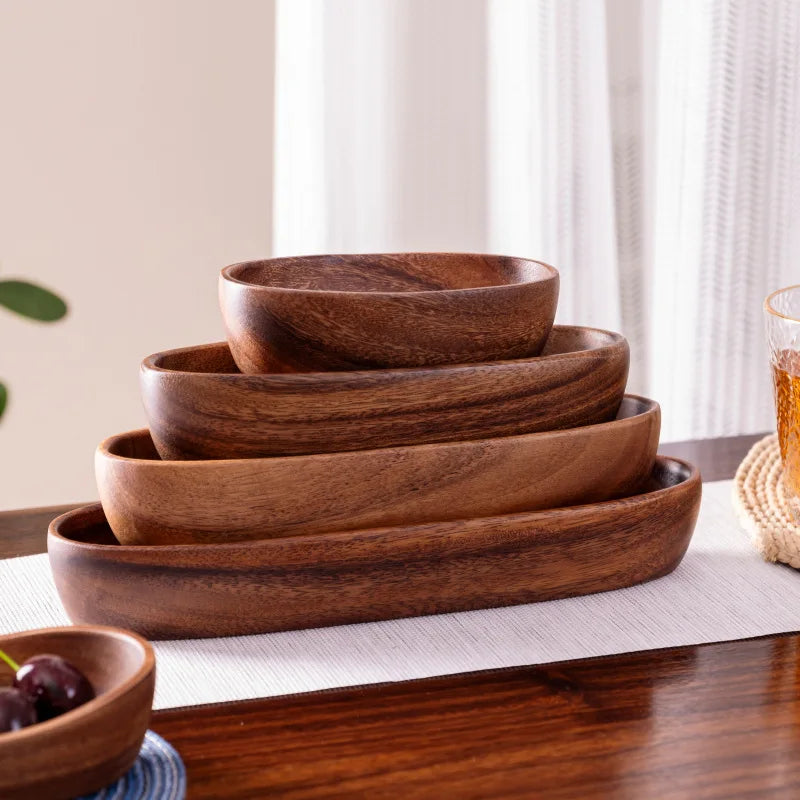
722, 590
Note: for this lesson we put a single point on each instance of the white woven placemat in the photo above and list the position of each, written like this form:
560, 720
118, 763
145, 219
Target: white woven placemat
761, 504
722, 590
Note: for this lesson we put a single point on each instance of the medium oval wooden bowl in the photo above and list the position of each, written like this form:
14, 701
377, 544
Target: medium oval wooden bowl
199, 405
338, 312
86, 749
362, 576
150, 501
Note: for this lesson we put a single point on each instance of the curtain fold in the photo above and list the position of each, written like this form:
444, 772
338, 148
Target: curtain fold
550, 151
380, 126
725, 208
645, 148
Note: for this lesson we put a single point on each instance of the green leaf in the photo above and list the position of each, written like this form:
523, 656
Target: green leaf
31, 301
3, 398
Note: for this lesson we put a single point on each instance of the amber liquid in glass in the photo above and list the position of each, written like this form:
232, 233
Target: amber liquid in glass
786, 379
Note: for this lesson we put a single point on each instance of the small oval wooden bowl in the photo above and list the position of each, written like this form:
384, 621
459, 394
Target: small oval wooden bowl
83, 750
362, 576
150, 501
199, 405
340, 312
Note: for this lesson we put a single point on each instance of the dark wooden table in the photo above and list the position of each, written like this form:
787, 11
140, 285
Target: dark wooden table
712, 721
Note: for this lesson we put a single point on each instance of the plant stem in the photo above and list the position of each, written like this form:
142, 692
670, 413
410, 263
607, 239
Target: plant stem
10, 661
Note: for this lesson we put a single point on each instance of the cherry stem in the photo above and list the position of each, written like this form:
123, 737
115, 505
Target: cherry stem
10, 661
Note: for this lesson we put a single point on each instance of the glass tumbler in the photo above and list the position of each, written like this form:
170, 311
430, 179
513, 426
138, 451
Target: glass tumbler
782, 311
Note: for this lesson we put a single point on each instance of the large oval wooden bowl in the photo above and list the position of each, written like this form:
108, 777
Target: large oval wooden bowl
88, 748
388, 310
200, 406
361, 576
150, 501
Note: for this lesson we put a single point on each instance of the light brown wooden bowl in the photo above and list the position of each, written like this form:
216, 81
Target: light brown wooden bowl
199, 405
385, 310
150, 501
88, 748
361, 576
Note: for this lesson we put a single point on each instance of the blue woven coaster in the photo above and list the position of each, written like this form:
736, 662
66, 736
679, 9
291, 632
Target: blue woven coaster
158, 774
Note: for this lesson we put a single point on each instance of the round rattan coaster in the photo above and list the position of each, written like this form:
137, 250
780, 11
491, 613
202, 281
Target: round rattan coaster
761, 505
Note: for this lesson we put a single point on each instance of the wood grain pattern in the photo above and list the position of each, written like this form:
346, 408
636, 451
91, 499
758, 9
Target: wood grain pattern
149, 501
714, 722
385, 310
361, 576
199, 405
24, 531
88, 748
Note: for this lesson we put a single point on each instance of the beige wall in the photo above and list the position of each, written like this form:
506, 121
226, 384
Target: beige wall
135, 161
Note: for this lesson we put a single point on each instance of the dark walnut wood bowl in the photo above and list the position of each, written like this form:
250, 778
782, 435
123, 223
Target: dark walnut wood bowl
150, 501
88, 748
362, 576
341, 312
199, 405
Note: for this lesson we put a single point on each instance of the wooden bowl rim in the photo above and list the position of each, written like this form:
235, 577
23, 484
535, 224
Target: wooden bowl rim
96, 704
549, 275
644, 407
94, 514
615, 341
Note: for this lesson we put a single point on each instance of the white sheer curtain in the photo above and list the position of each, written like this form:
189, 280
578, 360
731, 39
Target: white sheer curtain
645, 148
725, 219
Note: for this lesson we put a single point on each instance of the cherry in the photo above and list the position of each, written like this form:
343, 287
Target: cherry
53, 684
16, 710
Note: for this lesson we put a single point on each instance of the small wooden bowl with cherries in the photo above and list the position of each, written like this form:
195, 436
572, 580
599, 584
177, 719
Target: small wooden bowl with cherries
74, 708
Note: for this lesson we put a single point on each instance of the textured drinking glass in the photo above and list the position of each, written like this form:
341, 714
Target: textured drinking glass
782, 310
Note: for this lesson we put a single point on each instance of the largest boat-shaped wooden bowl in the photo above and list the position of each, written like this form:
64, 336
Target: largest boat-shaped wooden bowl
199, 405
150, 501
385, 310
90, 747
361, 576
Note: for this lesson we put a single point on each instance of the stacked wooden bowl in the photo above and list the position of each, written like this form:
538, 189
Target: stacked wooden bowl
381, 436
